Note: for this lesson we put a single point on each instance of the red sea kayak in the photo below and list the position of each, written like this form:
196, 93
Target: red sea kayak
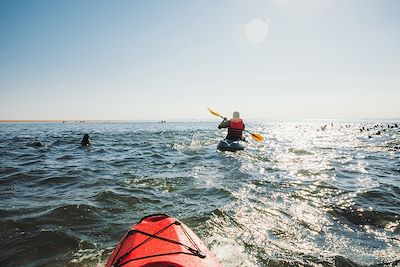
161, 241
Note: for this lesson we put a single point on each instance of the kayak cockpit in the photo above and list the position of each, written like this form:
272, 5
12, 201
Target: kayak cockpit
230, 145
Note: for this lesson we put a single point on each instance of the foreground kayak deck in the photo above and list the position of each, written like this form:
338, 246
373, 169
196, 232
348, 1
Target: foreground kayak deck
161, 241
230, 145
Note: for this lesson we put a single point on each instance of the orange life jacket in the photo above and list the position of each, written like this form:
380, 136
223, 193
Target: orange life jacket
235, 129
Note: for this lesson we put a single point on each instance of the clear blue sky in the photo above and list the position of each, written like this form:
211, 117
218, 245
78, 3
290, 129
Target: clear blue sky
171, 59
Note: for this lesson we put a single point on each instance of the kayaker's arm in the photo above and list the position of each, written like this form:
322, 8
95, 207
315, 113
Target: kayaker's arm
224, 124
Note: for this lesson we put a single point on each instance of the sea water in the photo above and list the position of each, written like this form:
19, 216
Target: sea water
314, 193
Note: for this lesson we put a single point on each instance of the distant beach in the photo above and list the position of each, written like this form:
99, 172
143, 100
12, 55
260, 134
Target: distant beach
60, 121
31, 121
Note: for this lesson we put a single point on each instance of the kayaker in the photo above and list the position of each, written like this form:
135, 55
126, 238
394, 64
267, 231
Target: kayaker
235, 127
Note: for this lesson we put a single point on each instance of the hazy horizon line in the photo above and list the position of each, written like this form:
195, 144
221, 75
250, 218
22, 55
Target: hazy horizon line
186, 120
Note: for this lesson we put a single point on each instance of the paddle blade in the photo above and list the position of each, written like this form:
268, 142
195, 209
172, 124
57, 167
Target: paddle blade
257, 137
214, 113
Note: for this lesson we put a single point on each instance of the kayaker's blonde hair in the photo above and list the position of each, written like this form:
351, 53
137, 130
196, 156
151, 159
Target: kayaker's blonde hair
236, 115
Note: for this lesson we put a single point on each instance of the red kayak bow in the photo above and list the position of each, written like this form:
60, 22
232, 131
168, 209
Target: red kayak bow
161, 241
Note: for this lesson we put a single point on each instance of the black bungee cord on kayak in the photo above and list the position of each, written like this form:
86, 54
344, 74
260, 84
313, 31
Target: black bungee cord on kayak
193, 251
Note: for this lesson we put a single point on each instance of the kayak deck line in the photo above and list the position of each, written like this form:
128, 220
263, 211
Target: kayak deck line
194, 252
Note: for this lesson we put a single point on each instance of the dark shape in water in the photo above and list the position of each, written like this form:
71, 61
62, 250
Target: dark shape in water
38, 144
358, 216
341, 261
85, 140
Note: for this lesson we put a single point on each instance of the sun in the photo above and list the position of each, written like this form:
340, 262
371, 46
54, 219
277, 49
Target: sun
256, 30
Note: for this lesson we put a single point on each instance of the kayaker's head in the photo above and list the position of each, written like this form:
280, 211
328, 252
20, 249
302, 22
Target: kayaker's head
85, 140
236, 115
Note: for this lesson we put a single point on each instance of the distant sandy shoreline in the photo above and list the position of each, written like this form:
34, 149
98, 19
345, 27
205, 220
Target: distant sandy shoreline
88, 121
31, 121
57, 121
